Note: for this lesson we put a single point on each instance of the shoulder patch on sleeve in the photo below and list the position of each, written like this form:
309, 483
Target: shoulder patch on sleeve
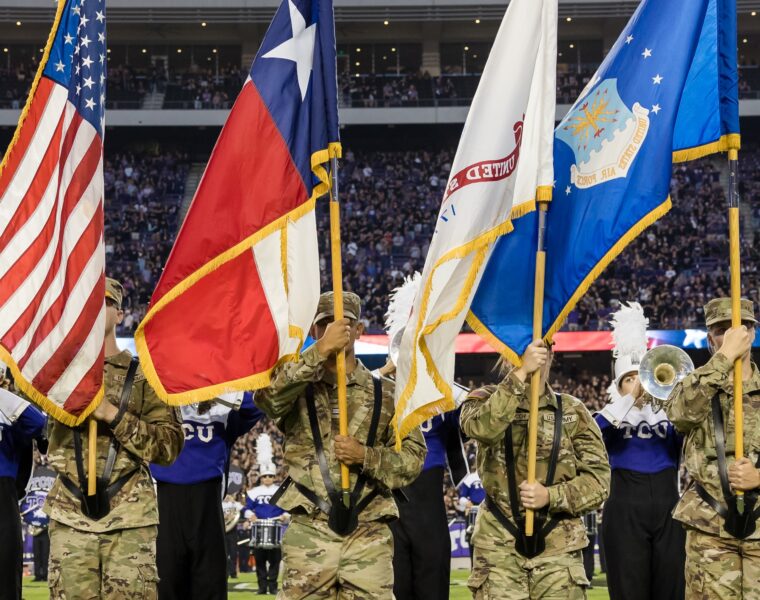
482, 393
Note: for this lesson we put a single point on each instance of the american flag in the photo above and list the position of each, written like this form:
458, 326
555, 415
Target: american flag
52, 260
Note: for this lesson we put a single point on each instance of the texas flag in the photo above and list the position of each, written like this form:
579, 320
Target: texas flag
241, 285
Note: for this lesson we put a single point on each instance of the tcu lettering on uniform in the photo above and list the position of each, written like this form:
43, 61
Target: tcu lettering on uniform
205, 433
645, 431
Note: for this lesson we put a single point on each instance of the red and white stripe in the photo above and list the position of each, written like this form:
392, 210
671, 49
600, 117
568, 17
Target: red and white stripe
52, 259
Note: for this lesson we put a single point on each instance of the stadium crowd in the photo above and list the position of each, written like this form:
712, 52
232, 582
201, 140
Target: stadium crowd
143, 194
390, 202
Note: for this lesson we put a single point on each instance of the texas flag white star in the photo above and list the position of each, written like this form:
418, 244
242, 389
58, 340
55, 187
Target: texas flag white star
299, 48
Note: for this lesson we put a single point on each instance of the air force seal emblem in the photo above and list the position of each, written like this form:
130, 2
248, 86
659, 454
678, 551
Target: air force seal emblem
604, 134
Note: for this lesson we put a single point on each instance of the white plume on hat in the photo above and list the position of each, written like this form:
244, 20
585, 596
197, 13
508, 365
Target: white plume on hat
401, 304
265, 454
629, 338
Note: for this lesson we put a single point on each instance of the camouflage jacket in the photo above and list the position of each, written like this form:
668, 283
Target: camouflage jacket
582, 476
689, 407
285, 402
150, 431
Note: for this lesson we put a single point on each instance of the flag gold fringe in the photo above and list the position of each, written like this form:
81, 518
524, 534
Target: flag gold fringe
41, 400
480, 244
611, 255
483, 331
523, 209
544, 193
256, 380
730, 141
446, 401
509, 353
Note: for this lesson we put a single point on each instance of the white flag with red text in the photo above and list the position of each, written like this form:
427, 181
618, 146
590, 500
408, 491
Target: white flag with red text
503, 164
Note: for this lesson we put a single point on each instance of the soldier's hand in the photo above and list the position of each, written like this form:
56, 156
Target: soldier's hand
388, 368
736, 343
534, 358
336, 337
349, 451
105, 411
533, 495
743, 476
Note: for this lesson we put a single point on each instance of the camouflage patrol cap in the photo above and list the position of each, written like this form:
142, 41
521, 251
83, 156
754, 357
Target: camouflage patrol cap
114, 291
352, 306
718, 310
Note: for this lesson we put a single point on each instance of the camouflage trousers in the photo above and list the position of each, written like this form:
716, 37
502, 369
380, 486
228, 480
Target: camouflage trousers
319, 564
499, 572
720, 568
116, 565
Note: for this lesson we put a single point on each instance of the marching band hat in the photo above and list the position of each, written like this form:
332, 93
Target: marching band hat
629, 336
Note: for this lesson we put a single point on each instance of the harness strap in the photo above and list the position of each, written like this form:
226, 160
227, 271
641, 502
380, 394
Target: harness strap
114, 446
720, 447
316, 435
509, 454
357, 505
720, 451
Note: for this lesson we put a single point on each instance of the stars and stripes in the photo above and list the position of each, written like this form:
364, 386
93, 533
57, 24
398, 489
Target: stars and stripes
52, 260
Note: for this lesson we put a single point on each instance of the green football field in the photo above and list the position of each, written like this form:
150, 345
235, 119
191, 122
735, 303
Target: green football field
244, 588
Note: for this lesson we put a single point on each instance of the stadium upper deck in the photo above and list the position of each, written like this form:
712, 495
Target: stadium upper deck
176, 40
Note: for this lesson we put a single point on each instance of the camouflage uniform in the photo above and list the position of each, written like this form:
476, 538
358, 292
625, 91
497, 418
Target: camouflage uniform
581, 484
318, 562
717, 564
114, 557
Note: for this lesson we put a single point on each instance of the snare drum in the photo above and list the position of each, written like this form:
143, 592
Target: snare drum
266, 534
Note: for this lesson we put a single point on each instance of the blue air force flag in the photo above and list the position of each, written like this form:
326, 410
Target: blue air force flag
666, 92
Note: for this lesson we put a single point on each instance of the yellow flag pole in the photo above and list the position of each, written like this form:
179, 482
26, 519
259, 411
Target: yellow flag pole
736, 314
340, 361
92, 455
535, 378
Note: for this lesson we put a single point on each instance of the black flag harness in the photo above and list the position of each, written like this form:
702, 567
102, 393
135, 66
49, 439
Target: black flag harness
529, 546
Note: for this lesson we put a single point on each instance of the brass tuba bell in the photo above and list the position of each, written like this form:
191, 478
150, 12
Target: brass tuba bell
661, 368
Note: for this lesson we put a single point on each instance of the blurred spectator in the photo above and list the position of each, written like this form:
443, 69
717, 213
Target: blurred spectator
142, 202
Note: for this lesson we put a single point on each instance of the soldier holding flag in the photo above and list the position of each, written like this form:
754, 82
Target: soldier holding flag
331, 549
722, 544
105, 544
573, 477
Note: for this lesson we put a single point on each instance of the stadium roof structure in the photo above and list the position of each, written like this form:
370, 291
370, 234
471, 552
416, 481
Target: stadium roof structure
356, 11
